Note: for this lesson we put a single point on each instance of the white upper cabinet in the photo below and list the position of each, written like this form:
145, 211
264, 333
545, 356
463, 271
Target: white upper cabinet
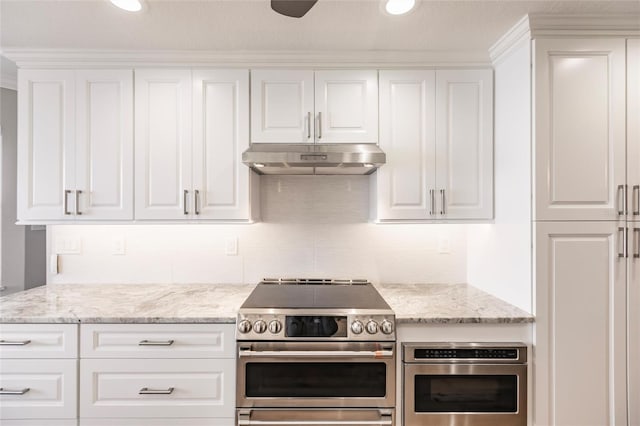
633, 129
464, 144
104, 144
346, 105
282, 106
303, 106
75, 147
163, 143
407, 135
579, 132
220, 135
191, 130
436, 128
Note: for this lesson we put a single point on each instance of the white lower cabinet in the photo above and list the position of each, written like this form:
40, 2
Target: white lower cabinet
38, 374
157, 374
157, 388
580, 349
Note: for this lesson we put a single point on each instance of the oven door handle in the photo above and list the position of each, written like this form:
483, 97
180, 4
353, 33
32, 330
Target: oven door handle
244, 419
380, 354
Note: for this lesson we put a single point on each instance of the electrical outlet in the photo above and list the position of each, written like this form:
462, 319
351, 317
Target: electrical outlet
118, 246
444, 245
231, 246
68, 245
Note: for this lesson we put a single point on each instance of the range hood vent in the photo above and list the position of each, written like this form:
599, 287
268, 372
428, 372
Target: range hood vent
313, 159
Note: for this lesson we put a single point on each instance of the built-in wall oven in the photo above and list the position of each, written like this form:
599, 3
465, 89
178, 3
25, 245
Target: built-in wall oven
464, 384
326, 358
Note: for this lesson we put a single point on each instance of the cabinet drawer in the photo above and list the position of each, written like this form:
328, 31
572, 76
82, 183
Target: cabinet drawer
157, 341
212, 421
43, 388
183, 388
38, 341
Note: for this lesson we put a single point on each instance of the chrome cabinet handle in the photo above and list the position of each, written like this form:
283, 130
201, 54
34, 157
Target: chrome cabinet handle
442, 200
636, 243
309, 125
184, 201
14, 342
620, 191
148, 391
622, 238
155, 342
320, 125
66, 202
22, 391
196, 198
635, 200
78, 192
432, 201
626, 210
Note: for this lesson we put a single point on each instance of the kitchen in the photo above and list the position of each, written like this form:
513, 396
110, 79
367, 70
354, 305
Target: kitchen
342, 226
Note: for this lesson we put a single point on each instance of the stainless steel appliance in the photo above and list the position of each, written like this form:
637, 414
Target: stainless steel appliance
315, 351
465, 384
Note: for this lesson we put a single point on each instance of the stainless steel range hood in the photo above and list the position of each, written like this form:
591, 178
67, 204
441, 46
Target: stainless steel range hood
313, 159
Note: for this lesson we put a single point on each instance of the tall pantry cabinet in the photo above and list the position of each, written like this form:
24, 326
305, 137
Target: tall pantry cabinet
585, 198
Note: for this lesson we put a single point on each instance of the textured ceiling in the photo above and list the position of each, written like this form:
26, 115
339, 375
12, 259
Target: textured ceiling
251, 25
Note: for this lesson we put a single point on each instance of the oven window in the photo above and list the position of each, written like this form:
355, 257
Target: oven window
466, 393
316, 380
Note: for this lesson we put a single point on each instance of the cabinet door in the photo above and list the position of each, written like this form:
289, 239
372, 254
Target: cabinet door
104, 144
633, 128
163, 144
221, 134
579, 129
464, 144
633, 283
46, 156
580, 361
346, 104
282, 106
407, 136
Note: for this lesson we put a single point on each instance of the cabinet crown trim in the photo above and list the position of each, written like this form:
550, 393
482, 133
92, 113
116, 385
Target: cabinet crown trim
388, 59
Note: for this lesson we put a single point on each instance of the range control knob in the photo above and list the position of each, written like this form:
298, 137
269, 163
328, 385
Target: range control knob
244, 326
275, 326
260, 326
372, 327
357, 327
386, 327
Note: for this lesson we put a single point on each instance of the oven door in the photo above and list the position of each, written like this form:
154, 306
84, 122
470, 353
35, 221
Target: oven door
465, 394
315, 417
316, 374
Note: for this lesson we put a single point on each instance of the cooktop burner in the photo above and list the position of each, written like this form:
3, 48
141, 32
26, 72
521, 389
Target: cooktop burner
305, 308
315, 294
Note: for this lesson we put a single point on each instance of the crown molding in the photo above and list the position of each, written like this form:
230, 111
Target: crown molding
513, 37
95, 58
584, 25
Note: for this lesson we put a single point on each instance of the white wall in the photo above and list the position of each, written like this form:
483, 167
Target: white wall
312, 226
499, 255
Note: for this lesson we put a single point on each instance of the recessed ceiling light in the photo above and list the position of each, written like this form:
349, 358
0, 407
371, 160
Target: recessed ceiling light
128, 5
398, 7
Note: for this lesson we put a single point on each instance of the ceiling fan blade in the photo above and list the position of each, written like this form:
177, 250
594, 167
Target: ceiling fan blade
292, 8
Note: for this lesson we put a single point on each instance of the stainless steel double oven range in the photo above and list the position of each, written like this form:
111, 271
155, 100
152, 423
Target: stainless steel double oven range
316, 352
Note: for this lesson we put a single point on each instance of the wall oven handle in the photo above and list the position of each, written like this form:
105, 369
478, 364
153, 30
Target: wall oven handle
244, 419
314, 354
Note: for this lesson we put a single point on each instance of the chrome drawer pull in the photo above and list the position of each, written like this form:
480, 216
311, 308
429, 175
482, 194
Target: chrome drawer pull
621, 200
14, 342
4, 391
155, 343
147, 391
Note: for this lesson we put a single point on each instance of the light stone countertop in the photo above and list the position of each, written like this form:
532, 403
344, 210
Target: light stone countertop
219, 303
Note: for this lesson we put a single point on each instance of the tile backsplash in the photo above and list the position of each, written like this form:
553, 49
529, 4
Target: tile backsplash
311, 226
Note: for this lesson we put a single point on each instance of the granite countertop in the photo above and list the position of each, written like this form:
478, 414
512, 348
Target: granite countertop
219, 303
